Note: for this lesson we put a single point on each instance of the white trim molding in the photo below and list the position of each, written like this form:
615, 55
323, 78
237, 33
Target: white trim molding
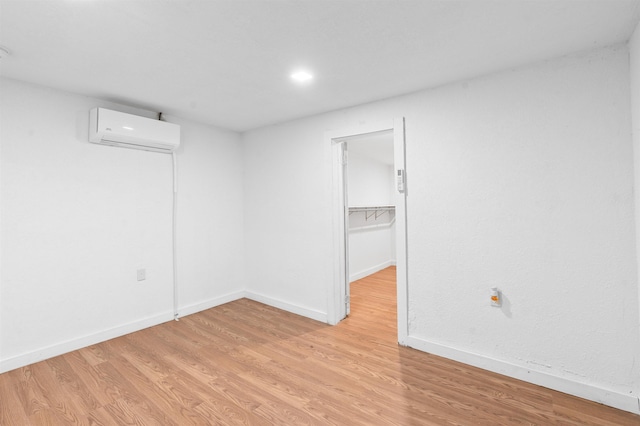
211, 303
92, 339
372, 270
82, 342
608, 397
289, 307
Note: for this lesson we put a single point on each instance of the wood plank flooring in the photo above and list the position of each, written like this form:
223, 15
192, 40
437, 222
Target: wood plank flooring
247, 363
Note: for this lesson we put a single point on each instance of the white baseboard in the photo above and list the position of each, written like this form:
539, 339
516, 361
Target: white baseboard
81, 342
92, 339
285, 306
593, 393
365, 273
211, 303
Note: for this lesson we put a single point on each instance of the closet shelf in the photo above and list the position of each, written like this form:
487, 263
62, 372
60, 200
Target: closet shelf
370, 211
369, 227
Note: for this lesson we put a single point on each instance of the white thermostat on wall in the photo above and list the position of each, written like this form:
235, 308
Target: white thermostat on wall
400, 180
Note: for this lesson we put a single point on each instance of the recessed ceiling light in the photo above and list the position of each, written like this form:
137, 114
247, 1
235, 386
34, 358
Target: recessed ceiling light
301, 76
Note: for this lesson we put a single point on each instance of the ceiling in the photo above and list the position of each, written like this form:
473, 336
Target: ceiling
227, 63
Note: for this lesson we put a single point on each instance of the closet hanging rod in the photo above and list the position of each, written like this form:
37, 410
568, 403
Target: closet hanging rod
370, 211
370, 208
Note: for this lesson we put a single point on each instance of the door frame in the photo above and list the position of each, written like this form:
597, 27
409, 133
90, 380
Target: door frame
337, 294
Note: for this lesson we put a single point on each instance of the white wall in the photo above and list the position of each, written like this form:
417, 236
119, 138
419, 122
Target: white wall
370, 251
522, 180
532, 192
286, 216
210, 217
634, 54
79, 219
370, 183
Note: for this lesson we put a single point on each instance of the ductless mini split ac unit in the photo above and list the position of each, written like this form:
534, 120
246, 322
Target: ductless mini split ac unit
115, 128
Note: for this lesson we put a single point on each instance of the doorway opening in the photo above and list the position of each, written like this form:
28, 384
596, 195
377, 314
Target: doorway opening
370, 187
369, 212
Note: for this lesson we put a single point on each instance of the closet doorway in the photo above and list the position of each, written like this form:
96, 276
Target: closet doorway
369, 211
370, 184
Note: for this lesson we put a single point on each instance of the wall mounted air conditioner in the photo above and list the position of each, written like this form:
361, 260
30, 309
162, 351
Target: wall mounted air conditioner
115, 128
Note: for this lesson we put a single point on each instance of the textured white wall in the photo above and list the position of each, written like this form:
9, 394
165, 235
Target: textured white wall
79, 219
369, 251
530, 186
370, 182
287, 238
521, 179
634, 55
210, 218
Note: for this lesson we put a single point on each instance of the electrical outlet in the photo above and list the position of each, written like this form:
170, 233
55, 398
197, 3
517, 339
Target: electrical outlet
142, 274
496, 297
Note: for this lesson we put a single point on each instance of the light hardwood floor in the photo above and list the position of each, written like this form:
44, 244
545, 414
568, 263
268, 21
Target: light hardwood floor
247, 363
